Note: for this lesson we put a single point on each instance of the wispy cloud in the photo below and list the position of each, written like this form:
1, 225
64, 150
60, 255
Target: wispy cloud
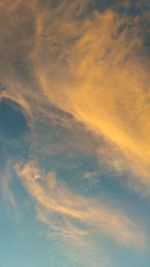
54, 197
8, 195
86, 70
89, 67
103, 82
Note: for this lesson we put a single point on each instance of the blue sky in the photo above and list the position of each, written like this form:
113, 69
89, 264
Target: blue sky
74, 133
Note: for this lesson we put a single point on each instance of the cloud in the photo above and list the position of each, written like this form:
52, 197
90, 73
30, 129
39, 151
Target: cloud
53, 197
91, 68
87, 71
8, 195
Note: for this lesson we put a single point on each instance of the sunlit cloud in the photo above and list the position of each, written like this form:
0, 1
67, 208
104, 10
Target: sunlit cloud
86, 71
55, 197
88, 67
97, 75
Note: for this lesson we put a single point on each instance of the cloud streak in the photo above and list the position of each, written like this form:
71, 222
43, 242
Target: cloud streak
55, 197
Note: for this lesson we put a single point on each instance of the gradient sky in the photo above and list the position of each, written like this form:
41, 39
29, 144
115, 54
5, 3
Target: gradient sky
74, 133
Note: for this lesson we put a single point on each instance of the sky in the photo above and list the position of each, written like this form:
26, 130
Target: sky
74, 133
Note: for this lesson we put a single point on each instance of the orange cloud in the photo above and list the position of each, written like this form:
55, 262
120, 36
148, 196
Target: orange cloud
95, 74
89, 68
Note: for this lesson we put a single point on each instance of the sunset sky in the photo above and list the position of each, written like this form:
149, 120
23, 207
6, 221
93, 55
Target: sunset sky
74, 133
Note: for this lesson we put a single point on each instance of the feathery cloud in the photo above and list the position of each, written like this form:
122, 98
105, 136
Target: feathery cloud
52, 196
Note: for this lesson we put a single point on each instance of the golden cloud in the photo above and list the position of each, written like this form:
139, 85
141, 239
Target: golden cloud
86, 65
92, 70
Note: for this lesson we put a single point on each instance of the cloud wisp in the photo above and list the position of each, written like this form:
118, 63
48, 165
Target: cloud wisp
54, 197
